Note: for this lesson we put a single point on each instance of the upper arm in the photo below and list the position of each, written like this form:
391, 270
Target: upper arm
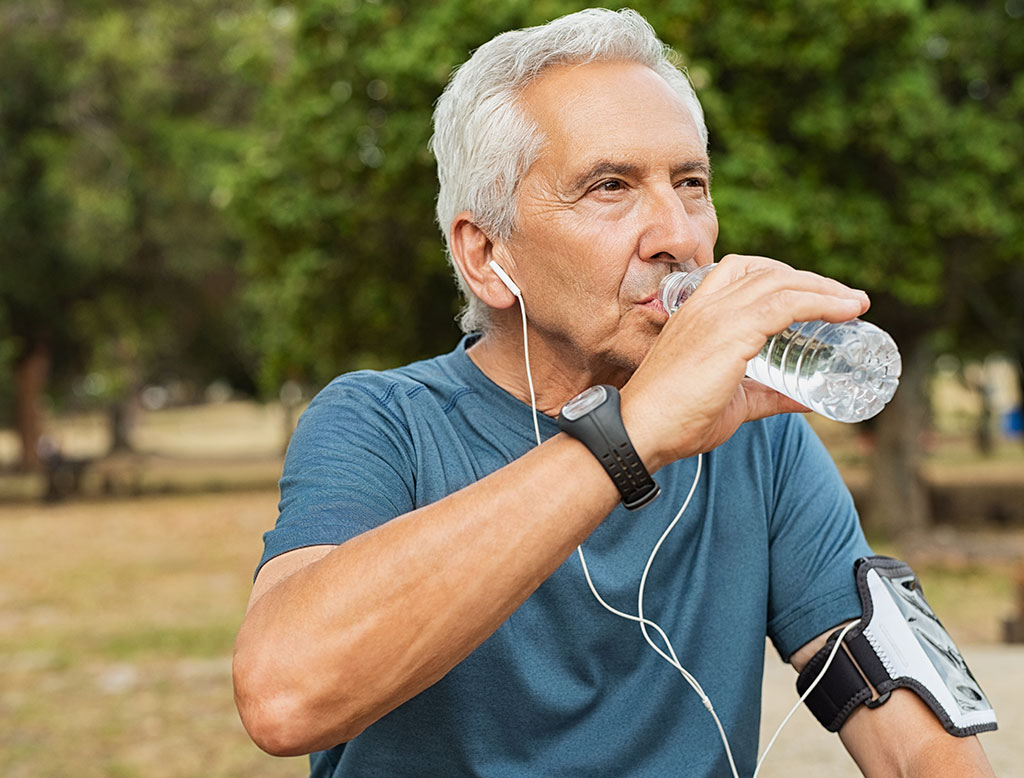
348, 470
284, 566
902, 737
815, 539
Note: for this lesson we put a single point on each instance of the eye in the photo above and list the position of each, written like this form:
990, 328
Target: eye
697, 186
609, 185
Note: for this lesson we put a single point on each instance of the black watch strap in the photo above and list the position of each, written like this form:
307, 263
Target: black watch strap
601, 430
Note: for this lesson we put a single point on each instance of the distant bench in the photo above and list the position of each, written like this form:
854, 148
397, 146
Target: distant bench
68, 477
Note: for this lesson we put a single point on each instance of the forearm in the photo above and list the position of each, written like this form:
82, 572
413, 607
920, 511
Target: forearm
902, 738
335, 646
907, 741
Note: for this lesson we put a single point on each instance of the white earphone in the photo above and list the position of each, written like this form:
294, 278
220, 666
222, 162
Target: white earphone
508, 282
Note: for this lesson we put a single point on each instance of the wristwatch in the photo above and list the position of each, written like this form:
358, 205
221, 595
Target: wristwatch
594, 418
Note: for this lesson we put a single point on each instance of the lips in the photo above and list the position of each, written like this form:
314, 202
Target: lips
643, 289
653, 302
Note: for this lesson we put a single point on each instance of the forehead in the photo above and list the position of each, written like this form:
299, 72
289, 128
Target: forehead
609, 110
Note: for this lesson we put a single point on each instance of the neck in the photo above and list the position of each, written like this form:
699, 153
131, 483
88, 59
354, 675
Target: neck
559, 371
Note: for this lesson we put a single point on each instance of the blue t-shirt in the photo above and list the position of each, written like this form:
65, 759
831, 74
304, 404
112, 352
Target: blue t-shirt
564, 688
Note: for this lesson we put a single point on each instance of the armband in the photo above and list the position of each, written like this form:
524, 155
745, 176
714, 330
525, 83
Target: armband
898, 642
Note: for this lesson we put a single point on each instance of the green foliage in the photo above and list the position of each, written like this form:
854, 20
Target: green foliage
119, 122
35, 273
337, 201
978, 54
147, 147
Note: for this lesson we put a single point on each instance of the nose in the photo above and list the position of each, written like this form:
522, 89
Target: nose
668, 231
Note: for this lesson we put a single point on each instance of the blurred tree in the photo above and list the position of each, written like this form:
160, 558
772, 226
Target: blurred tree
978, 50
37, 273
119, 122
839, 137
337, 201
840, 147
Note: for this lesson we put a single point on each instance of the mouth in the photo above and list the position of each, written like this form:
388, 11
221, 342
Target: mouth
652, 302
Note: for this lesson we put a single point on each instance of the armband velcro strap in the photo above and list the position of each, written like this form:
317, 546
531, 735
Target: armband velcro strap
898, 642
839, 692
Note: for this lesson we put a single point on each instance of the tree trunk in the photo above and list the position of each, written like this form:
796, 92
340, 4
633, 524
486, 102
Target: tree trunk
31, 374
897, 498
122, 416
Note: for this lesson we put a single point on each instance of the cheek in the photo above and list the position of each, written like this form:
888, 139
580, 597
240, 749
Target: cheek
710, 219
568, 262
599, 275
571, 255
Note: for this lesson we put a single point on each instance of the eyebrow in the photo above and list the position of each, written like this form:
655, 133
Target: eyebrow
607, 167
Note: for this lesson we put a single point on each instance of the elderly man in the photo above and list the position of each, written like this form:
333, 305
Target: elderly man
418, 610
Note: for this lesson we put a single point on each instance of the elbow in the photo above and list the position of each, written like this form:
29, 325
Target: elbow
272, 718
272, 728
273, 739
282, 721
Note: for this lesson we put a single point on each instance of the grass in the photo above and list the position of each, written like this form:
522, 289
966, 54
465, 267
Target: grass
116, 625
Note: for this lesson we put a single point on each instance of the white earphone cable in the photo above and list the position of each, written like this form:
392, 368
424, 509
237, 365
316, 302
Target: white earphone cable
669, 657
785, 721
529, 373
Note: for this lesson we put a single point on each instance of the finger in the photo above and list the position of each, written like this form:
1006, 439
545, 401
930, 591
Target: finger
763, 401
763, 276
771, 300
781, 309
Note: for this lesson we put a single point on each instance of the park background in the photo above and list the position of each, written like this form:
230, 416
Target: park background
209, 208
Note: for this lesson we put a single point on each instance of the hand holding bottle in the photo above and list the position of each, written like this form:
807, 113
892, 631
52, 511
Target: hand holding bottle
690, 392
846, 371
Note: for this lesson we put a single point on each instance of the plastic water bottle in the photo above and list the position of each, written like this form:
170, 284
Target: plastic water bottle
846, 371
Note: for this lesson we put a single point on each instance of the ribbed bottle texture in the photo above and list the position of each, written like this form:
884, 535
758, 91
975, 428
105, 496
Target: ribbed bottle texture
846, 371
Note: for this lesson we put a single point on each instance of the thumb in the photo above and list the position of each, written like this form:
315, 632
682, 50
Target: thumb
763, 401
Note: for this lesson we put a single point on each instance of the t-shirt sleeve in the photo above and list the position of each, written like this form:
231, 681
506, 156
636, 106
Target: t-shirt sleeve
815, 537
347, 470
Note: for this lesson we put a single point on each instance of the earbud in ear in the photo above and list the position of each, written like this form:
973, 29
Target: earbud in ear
508, 282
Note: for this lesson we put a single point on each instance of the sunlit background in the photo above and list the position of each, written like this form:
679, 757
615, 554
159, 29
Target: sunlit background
209, 208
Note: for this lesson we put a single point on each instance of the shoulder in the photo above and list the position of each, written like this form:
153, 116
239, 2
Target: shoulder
781, 428
391, 393
770, 443
785, 439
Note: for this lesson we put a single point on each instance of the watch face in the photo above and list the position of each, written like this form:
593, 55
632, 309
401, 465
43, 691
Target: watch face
584, 402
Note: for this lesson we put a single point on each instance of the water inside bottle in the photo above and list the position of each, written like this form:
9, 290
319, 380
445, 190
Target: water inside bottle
845, 372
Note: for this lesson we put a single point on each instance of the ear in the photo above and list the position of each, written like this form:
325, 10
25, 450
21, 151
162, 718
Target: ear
472, 250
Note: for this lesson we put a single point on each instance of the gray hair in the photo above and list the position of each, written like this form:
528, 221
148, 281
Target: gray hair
484, 142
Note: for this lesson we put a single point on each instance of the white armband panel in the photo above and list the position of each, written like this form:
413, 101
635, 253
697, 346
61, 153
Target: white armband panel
899, 642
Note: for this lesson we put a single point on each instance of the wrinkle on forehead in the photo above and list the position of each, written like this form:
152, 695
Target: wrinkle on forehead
574, 106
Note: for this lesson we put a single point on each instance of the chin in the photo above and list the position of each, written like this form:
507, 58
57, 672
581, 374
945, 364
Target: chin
631, 352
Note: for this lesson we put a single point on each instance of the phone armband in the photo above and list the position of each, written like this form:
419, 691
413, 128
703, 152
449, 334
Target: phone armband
898, 643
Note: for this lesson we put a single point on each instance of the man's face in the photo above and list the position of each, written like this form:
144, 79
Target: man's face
619, 196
